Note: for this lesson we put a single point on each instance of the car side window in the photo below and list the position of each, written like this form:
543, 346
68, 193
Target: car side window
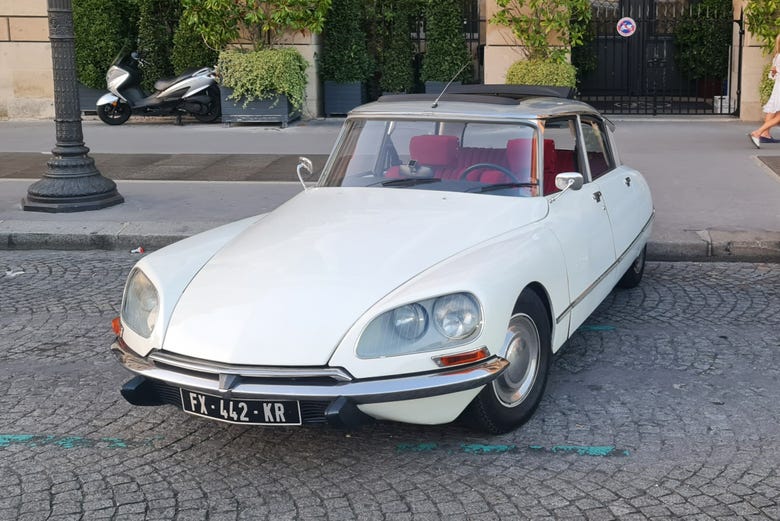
560, 150
599, 159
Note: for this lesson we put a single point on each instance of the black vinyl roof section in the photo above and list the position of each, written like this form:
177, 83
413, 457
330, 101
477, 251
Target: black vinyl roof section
496, 94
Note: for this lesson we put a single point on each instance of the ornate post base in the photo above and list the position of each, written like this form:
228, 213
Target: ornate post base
72, 183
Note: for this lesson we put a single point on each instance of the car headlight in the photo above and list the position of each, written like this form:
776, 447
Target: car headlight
405, 330
141, 305
456, 316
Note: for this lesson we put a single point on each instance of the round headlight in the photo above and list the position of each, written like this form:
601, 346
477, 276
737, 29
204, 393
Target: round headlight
141, 305
410, 321
456, 316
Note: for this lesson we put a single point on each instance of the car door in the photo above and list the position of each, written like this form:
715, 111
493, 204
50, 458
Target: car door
624, 191
579, 220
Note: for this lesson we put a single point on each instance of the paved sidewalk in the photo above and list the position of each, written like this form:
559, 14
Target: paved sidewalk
715, 195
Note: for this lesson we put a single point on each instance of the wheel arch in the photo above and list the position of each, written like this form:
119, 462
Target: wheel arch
544, 297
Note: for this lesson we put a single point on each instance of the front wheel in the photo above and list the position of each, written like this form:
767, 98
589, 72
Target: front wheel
114, 113
214, 110
512, 398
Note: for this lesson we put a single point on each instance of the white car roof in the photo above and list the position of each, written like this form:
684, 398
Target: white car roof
472, 107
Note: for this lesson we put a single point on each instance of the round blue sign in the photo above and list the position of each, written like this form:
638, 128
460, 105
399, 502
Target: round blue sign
626, 26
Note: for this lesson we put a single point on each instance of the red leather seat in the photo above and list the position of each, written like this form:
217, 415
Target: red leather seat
520, 156
437, 152
550, 167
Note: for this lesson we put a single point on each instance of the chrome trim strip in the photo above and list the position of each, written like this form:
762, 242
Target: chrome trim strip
248, 371
604, 275
360, 391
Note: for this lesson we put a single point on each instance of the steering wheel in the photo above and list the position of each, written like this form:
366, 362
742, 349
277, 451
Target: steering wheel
489, 166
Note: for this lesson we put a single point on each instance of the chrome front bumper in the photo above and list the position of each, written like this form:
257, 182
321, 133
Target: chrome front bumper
249, 382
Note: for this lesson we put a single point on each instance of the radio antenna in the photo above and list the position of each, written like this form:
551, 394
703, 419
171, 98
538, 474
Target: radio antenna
436, 101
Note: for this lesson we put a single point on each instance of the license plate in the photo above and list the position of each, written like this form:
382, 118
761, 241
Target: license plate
247, 412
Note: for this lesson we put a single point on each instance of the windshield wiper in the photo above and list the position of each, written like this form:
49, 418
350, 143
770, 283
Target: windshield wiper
502, 186
411, 181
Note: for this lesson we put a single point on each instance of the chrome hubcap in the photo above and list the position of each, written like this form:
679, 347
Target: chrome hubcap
522, 351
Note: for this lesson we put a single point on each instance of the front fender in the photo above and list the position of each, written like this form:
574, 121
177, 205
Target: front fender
496, 272
172, 268
107, 99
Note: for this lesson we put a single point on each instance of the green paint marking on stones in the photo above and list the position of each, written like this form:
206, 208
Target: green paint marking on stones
65, 442
605, 450
476, 448
416, 447
482, 449
597, 328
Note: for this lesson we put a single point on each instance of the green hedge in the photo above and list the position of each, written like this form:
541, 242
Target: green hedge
157, 21
702, 39
102, 29
397, 54
537, 72
263, 74
446, 49
345, 57
189, 50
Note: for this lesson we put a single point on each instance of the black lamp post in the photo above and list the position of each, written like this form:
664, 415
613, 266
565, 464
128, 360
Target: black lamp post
72, 182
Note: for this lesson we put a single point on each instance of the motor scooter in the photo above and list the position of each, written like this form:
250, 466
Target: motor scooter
195, 92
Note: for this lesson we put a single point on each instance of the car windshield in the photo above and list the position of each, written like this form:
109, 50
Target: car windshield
447, 155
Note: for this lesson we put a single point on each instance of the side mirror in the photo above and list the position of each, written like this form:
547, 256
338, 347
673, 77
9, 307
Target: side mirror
134, 55
569, 181
305, 169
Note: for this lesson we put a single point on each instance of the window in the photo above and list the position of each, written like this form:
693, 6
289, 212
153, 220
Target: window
596, 148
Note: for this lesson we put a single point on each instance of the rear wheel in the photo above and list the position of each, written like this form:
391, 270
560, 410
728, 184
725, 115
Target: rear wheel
513, 397
114, 113
633, 275
214, 108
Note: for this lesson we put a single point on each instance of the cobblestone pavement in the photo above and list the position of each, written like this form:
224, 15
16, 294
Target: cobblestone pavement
664, 406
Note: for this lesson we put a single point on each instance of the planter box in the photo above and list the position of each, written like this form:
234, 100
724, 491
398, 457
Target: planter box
88, 99
340, 98
275, 110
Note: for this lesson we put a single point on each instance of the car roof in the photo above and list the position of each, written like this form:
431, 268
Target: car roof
480, 102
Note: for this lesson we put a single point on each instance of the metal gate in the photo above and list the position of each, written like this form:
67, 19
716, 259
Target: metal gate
679, 59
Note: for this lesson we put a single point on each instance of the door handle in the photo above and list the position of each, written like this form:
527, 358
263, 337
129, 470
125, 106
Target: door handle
597, 196
628, 181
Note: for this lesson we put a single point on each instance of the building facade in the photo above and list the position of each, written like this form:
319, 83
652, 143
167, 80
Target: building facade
26, 84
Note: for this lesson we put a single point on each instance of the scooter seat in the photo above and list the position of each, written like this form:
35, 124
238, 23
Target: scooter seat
164, 83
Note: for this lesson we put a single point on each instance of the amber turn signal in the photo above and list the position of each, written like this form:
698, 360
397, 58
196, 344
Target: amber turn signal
462, 358
116, 325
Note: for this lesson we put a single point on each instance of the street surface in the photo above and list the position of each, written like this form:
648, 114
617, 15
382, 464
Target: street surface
665, 405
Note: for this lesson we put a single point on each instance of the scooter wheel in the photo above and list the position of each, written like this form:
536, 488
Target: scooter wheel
214, 108
114, 113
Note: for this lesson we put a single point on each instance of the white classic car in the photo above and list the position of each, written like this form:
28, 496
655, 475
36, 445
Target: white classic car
449, 248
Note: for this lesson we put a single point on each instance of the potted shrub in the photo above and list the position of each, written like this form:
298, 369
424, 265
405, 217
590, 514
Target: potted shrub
102, 29
268, 85
535, 23
702, 49
345, 64
447, 56
397, 54
540, 72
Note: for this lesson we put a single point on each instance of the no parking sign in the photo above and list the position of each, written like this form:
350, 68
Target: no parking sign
626, 26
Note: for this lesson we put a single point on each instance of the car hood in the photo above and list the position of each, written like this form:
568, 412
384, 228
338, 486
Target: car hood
286, 290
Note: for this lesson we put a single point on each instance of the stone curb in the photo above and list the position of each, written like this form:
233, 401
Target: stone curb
757, 250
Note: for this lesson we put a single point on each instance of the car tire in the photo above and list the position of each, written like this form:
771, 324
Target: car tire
633, 275
511, 399
114, 114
